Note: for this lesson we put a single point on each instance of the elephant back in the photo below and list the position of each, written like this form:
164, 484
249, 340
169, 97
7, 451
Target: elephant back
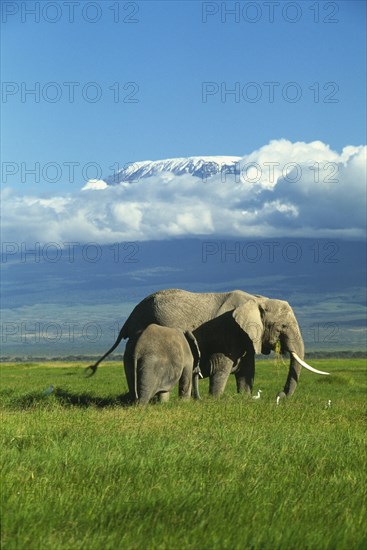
173, 308
181, 309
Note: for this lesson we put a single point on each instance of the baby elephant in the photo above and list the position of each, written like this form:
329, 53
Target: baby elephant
162, 357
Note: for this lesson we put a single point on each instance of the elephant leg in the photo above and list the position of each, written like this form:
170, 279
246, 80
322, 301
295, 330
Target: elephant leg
164, 396
185, 383
221, 367
129, 367
246, 374
143, 400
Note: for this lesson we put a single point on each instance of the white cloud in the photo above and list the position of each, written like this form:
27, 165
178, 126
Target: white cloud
128, 215
94, 184
285, 189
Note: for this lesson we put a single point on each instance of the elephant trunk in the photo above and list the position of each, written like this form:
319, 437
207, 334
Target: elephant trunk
293, 343
196, 392
196, 355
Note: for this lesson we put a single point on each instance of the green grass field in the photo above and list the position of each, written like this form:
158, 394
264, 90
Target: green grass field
80, 469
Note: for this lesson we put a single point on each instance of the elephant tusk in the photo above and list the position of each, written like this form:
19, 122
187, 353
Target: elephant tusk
304, 364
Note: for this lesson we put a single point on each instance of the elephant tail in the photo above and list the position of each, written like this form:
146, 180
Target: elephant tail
121, 336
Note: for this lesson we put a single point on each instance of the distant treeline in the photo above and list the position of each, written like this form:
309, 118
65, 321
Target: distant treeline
343, 354
36, 359
337, 354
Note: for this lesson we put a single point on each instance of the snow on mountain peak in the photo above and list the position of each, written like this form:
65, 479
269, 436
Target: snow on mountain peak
201, 167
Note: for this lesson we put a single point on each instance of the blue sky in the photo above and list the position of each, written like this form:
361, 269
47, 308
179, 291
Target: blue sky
167, 54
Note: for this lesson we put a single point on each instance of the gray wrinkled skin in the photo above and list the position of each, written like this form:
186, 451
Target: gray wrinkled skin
230, 328
160, 358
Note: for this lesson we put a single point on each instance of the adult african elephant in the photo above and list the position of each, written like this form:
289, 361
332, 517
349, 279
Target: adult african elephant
230, 327
161, 358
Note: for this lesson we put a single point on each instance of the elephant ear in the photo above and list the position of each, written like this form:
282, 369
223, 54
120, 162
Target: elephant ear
194, 346
248, 317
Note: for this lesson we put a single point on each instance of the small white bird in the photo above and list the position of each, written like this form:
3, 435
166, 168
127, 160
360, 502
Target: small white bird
49, 390
257, 396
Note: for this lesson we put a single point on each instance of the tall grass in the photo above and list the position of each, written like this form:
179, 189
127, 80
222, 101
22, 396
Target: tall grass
82, 469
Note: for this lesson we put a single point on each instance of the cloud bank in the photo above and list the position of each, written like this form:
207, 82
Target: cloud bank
283, 189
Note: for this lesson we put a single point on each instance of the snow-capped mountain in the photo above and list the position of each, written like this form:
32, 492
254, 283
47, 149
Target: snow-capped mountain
201, 167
